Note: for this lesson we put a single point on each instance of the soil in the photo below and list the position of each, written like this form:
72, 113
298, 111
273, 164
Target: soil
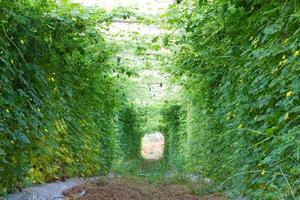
129, 189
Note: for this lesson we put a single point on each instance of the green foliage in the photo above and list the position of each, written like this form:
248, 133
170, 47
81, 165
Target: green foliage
152, 117
150, 170
173, 127
63, 112
129, 131
58, 97
239, 65
122, 13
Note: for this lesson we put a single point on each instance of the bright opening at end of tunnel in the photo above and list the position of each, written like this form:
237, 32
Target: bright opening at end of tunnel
153, 146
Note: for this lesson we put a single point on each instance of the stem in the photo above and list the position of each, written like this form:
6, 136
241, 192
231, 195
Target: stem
15, 46
290, 188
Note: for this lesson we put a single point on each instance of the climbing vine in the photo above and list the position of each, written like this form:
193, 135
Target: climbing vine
129, 120
58, 97
238, 62
174, 128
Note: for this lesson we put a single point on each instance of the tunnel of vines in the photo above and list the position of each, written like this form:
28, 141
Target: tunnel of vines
199, 94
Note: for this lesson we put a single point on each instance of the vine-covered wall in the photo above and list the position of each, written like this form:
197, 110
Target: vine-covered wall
129, 120
173, 127
57, 94
239, 66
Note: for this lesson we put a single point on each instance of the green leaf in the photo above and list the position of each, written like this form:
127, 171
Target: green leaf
17, 135
295, 109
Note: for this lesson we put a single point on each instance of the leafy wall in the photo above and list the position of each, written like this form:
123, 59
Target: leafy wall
173, 127
239, 65
58, 98
129, 119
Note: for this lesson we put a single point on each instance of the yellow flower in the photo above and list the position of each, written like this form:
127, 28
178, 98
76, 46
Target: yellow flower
297, 53
289, 93
284, 61
286, 117
68, 160
263, 172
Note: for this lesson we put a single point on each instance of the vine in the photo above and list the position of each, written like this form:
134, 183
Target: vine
58, 95
238, 63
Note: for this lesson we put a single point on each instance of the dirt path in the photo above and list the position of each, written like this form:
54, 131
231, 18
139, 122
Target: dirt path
49, 191
129, 189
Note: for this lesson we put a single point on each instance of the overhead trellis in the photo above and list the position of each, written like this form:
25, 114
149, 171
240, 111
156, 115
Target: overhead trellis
140, 48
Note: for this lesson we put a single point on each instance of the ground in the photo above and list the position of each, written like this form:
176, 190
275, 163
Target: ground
147, 180
118, 188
